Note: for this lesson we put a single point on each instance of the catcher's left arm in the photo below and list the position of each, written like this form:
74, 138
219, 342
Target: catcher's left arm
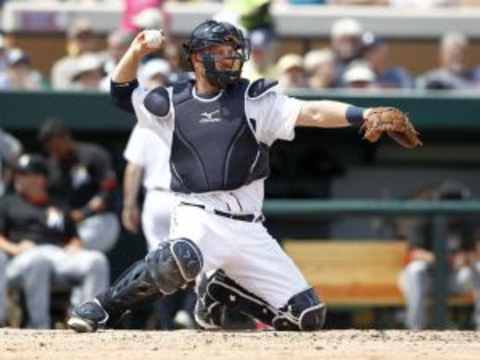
373, 122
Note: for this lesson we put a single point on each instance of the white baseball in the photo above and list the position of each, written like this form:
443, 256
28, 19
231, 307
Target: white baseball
153, 38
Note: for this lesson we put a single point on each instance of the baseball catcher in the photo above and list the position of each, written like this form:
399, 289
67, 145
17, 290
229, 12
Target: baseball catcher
217, 131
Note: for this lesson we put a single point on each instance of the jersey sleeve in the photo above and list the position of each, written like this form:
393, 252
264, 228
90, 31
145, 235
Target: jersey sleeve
274, 115
144, 117
136, 146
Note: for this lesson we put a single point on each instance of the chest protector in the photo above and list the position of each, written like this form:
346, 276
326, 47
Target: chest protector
214, 147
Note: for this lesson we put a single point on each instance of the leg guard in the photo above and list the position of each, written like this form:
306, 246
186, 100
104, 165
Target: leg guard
221, 291
174, 264
303, 312
168, 268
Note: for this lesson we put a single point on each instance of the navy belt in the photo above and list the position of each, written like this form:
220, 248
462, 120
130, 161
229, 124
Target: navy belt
241, 217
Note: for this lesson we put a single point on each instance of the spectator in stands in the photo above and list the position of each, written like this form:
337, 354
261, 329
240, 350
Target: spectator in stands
376, 54
83, 178
261, 63
463, 259
320, 68
10, 150
346, 44
39, 247
358, 75
308, 2
81, 39
453, 72
20, 74
154, 73
291, 72
87, 74
425, 4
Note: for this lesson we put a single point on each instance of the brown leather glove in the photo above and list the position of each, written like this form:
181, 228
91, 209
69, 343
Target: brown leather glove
392, 121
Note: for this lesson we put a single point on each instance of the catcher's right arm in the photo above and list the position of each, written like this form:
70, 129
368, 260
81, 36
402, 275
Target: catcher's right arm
392, 121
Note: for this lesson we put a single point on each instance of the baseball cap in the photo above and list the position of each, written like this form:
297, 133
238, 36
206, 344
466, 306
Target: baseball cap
17, 56
80, 27
155, 67
346, 27
85, 63
289, 61
32, 164
261, 38
371, 41
52, 128
358, 72
316, 57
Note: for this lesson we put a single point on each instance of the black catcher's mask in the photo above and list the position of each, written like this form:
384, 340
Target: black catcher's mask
211, 33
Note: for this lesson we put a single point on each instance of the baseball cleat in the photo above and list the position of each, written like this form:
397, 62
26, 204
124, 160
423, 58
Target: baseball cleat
208, 317
88, 317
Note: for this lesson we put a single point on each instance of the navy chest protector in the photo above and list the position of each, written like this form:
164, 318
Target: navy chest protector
213, 147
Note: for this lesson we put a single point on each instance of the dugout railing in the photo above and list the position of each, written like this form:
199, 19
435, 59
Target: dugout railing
438, 211
93, 111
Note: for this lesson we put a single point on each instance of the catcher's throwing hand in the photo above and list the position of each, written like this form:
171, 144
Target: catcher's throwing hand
392, 121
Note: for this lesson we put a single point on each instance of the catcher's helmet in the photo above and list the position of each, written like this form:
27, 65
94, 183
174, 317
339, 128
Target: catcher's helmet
211, 33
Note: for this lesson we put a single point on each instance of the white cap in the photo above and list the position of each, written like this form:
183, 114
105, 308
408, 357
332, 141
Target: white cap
154, 67
314, 58
346, 27
86, 63
289, 61
358, 72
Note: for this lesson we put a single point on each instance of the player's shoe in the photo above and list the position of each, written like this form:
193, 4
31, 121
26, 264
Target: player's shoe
88, 317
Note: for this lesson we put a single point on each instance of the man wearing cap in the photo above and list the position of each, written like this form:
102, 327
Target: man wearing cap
84, 180
39, 247
262, 49
346, 44
20, 75
291, 72
80, 40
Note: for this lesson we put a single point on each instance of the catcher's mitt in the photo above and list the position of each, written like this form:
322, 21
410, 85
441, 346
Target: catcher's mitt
392, 121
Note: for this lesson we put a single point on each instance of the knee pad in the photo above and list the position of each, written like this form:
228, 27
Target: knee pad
174, 264
303, 312
222, 290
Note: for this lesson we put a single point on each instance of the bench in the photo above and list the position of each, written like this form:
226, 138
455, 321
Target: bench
356, 273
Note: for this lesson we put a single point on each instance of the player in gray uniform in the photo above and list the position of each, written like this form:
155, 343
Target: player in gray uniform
40, 249
82, 175
218, 130
462, 241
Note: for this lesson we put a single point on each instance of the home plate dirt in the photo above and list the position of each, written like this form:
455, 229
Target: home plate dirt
191, 344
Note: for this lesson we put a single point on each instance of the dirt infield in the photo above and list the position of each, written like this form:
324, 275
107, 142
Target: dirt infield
343, 345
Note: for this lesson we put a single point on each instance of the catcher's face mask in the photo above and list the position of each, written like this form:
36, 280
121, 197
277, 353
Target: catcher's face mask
222, 50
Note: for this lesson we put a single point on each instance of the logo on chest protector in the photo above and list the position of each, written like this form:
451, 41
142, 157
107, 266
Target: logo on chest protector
207, 117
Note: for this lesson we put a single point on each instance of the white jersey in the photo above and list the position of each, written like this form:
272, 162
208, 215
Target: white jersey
145, 149
275, 115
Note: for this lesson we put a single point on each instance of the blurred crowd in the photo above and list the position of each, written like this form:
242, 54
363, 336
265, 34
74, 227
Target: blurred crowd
354, 58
